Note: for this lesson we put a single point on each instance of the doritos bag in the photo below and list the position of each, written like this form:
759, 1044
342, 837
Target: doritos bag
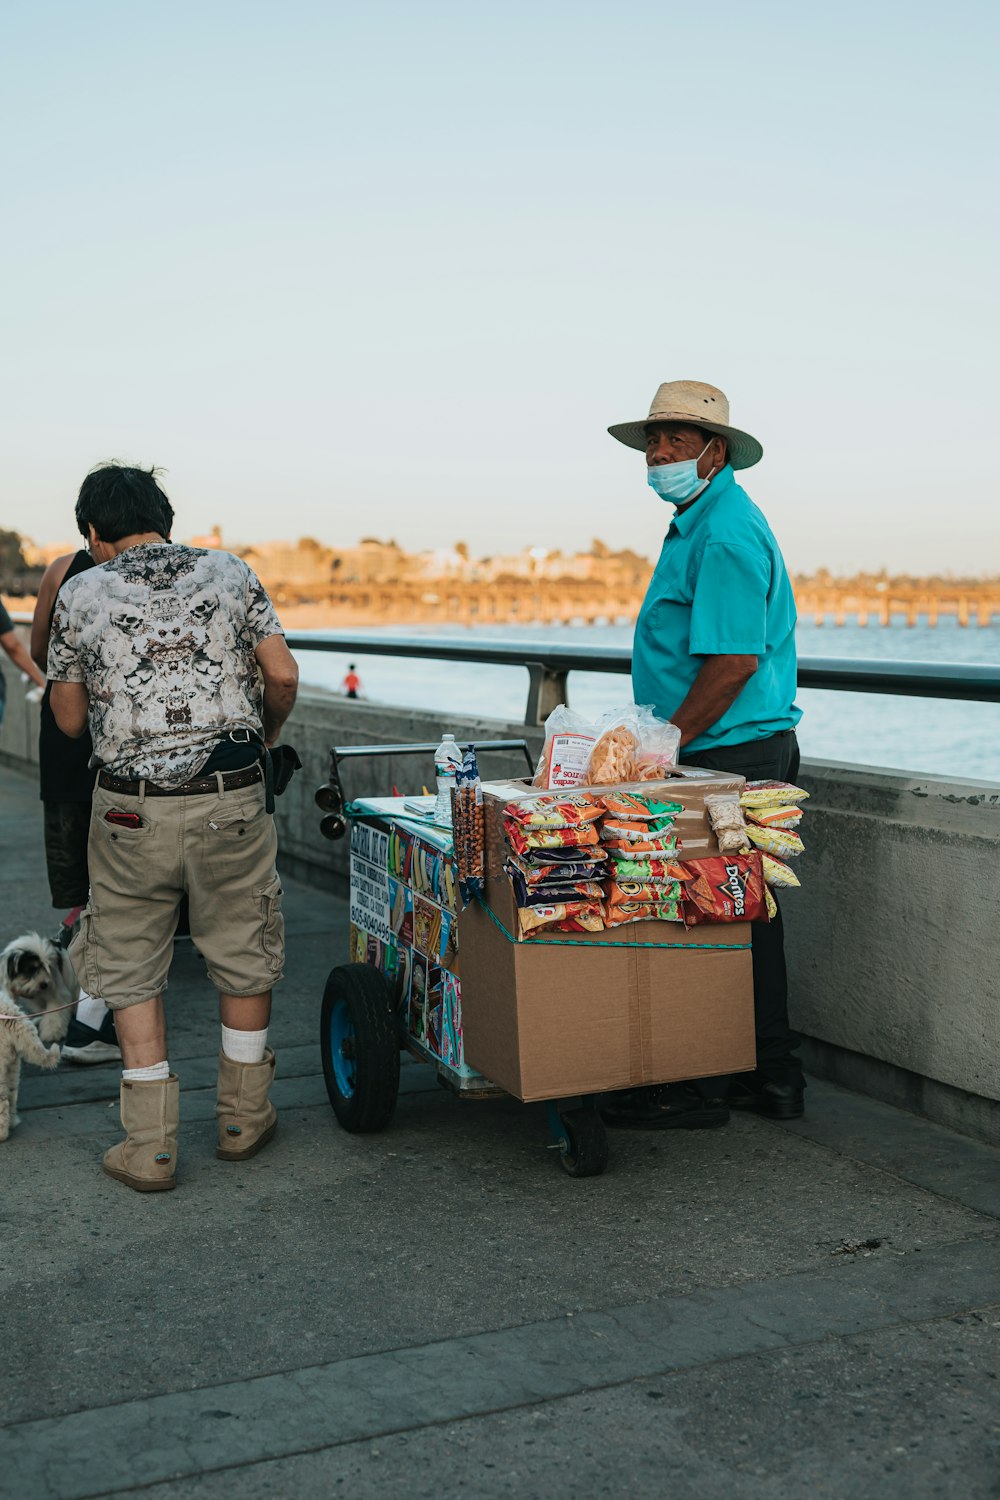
724, 888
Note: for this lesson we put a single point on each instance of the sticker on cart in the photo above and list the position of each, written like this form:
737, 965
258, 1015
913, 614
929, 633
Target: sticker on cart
416, 1017
401, 981
406, 931
433, 1010
449, 939
397, 905
452, 1049
373, 955
370, 882
359, 944
426, 927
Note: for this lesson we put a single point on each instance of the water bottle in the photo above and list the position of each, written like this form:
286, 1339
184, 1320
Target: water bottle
447, 761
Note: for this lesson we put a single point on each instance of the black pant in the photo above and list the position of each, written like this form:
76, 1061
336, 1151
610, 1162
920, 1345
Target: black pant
67, 828
774, 759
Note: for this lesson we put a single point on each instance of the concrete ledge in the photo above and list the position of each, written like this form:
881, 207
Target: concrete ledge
968, 1113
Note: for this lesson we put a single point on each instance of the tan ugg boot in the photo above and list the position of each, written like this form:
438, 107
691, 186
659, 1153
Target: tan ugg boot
247, 1118
147, 1158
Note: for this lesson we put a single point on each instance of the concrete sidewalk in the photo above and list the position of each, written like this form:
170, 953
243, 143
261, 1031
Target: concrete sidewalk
810, 1309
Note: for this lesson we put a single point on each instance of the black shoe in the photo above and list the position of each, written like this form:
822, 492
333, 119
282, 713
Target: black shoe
87, 1044
778, 1101
667, 1106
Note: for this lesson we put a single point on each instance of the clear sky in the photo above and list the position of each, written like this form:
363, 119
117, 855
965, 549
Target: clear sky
391, 269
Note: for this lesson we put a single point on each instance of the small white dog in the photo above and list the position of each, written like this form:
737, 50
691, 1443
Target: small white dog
35, 976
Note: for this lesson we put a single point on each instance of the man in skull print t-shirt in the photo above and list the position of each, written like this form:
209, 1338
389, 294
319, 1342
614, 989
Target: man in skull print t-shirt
176, 658
163, 638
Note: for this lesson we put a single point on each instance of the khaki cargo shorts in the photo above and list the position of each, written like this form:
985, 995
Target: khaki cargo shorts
220, 850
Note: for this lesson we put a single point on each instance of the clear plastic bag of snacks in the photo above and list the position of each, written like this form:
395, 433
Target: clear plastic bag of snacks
659, 743
569, 741
728, 823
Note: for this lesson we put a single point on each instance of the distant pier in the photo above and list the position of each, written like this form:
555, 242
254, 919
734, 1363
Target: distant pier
572, 601
879, 606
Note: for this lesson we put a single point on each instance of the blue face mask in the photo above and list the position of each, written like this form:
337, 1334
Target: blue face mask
679, 482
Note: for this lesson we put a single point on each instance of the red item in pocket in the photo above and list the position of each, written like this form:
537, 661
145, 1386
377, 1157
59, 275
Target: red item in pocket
122, 819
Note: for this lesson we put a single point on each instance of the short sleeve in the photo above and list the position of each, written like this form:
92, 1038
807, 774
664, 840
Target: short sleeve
6, 623
261, 618
729, 610
63, 662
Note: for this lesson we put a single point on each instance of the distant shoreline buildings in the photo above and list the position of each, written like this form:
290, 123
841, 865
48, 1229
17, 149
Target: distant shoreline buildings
379, 582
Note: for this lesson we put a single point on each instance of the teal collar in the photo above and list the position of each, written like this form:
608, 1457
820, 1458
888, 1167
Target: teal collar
686, 520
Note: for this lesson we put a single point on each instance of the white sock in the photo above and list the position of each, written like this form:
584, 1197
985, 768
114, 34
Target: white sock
155, 1073
90, 1010
244, 1046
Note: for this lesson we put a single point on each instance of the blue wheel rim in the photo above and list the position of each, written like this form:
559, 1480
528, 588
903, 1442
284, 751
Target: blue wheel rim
341, 1031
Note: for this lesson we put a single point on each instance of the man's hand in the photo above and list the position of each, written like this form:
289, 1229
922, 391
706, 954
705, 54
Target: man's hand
281, 682
716, 687
70, 702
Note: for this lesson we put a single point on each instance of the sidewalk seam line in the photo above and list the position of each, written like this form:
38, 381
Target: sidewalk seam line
397, 1349
669, 1372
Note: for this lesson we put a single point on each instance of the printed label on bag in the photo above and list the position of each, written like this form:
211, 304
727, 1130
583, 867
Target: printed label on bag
569, 759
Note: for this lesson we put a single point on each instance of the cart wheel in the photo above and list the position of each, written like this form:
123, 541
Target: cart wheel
583, 1142
360, 1046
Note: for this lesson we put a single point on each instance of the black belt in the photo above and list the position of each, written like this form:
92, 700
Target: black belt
204, 786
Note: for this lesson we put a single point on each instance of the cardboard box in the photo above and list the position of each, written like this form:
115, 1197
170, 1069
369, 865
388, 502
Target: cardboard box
546, 1020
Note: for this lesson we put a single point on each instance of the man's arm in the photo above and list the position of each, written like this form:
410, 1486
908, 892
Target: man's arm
20, 657
70, 703
281, 681
716, 687
47, 590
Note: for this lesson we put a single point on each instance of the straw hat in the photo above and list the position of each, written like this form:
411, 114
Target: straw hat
699, 406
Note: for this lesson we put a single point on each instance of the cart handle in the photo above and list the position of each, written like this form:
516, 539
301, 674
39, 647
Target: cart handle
331, 797
351, 752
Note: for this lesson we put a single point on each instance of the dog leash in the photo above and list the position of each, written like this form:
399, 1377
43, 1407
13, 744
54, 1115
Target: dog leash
34, 1015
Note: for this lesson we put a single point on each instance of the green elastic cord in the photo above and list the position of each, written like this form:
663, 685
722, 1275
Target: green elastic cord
575, 942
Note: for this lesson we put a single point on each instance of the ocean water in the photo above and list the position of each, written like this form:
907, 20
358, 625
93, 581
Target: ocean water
930, 736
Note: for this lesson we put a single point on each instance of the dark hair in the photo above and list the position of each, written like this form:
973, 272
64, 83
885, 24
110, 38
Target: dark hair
118, 501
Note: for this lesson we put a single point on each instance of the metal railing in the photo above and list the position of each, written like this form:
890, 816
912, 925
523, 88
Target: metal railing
548, 664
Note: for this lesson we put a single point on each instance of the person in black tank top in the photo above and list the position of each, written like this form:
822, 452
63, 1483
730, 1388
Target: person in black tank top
67, 785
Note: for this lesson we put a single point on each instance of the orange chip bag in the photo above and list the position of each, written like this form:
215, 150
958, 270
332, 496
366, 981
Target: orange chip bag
774, 817
523, 839
662, 846
625, 807
555, 812
565, 916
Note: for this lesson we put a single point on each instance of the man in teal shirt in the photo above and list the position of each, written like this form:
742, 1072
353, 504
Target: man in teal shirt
715, 653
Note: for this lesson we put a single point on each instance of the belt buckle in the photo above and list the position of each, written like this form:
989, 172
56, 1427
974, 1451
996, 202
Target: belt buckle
240, 736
